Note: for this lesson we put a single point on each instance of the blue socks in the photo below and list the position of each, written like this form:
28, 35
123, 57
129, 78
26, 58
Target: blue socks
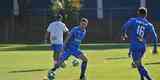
143, 73
83, 69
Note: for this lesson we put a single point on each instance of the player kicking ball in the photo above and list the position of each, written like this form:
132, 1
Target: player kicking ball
56, 30
72, 47
137, 29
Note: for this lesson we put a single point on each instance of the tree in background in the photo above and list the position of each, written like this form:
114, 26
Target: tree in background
68, 8
56, 7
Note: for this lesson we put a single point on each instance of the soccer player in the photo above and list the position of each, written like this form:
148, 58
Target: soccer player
72, 47
129, 55
56, 30
137, 30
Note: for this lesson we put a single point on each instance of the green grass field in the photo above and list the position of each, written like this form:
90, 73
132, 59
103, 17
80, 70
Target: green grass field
106, 62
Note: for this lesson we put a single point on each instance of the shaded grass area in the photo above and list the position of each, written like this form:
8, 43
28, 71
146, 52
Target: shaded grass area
23, 47
32, 47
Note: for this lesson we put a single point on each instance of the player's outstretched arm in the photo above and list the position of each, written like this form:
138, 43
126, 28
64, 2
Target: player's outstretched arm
154, 40
125, 28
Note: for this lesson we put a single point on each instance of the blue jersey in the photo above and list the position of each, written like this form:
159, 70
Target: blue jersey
137, 29
73, 44
76, 37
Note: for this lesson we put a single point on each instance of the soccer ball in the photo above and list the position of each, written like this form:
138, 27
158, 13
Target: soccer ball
51, 75
75, 63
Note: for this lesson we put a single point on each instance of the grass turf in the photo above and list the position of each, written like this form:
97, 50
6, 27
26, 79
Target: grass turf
106, 62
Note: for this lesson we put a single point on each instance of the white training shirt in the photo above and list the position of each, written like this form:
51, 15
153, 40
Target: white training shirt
56, 30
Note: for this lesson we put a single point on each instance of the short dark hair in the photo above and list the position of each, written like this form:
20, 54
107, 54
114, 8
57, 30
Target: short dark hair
84, 20
142, 11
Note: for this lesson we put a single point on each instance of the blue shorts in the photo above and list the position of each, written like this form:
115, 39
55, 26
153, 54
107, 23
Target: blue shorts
68, 52
137, 53
56, 47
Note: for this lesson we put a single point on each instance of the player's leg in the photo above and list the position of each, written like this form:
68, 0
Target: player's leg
61, 59
81, 56
139, 67
142, 71
146, 73
57, 49
83, 65
56, 52
137, 58
55, 58
130, 55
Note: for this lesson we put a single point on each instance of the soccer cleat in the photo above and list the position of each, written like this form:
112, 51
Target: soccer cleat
133, 65
51, 75
83, 78
63, 65
142, 78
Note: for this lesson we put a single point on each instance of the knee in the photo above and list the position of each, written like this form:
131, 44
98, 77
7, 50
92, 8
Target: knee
56, 55
85, 60
138, 64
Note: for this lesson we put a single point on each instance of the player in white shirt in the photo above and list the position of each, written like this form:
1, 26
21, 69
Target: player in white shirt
56, 30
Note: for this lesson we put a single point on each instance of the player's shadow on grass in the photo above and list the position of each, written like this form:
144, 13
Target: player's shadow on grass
33, 47
153, 63
25, 71
117, 58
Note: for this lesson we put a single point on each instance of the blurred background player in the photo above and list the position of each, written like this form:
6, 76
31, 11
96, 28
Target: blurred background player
138, 29
56, 30
72, 47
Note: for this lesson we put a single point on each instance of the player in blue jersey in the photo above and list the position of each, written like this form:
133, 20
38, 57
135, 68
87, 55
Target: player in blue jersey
72, 47
137, 30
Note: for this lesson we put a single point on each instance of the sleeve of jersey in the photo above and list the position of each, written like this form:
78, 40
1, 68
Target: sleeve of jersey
126, 26
49, 28
154, 35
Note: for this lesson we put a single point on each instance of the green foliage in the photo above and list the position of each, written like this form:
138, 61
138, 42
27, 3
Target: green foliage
71, 13
56, 7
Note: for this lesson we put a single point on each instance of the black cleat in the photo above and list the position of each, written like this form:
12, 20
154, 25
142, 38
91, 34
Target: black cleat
133, 65
83, 78
63, 65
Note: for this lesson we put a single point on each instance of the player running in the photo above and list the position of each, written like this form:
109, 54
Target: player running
72, 47
56, 30
137, 29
